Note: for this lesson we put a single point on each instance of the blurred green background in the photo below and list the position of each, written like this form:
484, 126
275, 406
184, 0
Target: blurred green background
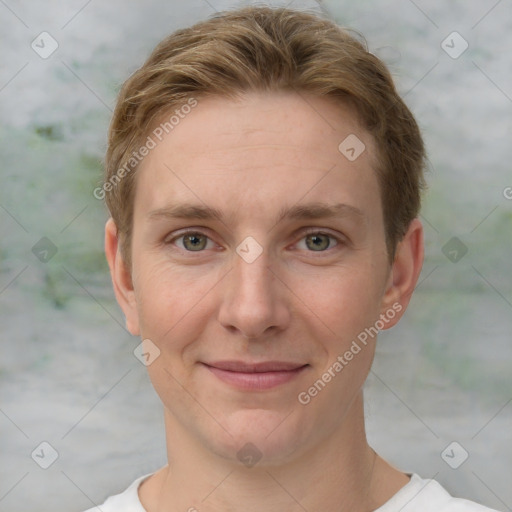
68, 373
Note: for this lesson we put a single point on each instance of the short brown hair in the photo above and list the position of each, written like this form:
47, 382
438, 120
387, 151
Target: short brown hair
268, 49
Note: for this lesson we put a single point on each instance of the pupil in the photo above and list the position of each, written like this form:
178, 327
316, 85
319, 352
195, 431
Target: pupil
319, 242
194, 242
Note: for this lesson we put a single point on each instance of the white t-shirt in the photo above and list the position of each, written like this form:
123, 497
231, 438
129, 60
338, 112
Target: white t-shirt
419, 495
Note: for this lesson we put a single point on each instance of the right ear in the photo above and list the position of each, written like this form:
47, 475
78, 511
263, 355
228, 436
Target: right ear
121, 278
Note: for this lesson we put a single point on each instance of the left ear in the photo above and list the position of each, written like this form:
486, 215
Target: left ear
404, 273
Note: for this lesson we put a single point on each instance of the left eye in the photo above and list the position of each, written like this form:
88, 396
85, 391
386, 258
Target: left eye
318, 242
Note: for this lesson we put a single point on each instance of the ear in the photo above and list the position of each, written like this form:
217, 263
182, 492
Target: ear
404, 273
121, 278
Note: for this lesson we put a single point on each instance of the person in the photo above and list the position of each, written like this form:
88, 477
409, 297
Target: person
264, 181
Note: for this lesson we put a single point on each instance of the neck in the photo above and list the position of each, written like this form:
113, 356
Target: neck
340, 473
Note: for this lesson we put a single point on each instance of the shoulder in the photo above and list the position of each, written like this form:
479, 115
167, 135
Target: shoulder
427, 495
419, 495
127, 501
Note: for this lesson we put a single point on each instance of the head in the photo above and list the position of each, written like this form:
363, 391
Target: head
263, 49
279, 143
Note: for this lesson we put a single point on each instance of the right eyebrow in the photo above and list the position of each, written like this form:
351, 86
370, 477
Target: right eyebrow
186, 211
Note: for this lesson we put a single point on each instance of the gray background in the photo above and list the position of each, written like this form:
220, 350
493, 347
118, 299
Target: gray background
67, 370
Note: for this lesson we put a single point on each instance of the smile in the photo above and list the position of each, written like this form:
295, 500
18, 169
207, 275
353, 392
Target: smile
255, 376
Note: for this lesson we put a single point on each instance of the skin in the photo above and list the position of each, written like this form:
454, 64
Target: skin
251, 158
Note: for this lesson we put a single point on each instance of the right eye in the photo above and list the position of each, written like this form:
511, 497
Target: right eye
191, 241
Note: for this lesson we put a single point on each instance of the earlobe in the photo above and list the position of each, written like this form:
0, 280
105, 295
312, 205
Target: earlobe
405, 271
121, 278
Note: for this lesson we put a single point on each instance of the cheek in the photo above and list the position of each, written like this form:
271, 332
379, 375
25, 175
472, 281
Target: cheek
346, 306
344, 299
173, 309
171, 300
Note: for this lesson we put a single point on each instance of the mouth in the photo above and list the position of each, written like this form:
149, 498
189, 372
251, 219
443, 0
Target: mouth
255, 376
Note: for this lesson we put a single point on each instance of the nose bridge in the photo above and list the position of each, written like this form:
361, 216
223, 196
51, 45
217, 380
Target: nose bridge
252, 301
252, 280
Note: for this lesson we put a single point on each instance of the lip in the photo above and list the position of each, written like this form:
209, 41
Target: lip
255, 376
264, 366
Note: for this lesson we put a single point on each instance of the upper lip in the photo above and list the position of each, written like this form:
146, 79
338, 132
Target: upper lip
265, 366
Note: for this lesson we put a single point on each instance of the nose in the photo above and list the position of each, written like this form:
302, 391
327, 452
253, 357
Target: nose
254, 299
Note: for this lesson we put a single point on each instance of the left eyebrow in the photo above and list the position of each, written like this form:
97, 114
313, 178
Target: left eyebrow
320, 211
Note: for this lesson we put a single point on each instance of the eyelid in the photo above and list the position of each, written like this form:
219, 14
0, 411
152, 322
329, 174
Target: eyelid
320, 231
185, 231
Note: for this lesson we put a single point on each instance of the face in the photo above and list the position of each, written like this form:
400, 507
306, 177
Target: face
258, 257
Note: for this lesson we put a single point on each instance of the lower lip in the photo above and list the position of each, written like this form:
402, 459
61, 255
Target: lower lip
256, 380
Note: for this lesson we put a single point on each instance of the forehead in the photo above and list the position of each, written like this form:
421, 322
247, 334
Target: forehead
260, 151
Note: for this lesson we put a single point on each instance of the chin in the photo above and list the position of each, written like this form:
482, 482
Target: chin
261, 437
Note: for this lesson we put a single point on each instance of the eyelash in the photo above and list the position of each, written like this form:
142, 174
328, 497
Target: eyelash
311, 231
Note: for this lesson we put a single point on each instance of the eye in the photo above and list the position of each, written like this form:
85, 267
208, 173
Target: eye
317, 241
196, 241
192, 241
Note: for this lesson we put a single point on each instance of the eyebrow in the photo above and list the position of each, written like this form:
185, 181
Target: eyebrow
307, 211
